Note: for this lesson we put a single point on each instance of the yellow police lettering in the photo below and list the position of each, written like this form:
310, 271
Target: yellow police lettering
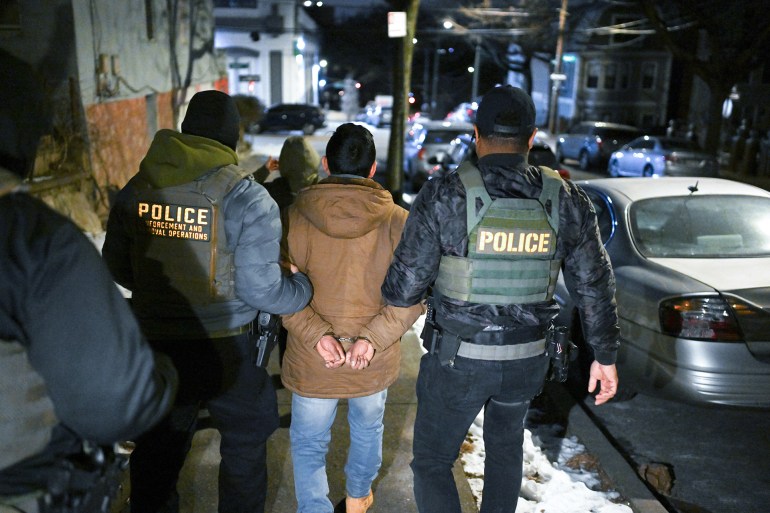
499, 242
544, 246
513, 241
485, 238
175, 221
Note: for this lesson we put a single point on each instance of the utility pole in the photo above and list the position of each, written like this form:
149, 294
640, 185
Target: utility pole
476, 69
402, 76
557, 77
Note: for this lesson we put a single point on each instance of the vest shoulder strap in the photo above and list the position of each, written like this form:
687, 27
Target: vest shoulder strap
474, 190
549, 196
217, 184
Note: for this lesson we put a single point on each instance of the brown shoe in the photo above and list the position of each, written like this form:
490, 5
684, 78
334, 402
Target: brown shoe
359, 505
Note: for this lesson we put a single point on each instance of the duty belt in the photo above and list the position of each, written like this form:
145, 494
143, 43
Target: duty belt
509, 352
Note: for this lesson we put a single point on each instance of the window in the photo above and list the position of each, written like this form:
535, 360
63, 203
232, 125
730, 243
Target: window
623, 71
150, 17
686, 227
594, 69
610, 76
604, 215
236, 4
10, 17
649, 74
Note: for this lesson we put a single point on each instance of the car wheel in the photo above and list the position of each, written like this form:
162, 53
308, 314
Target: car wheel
308, 129
647, 171
614, 168
585, 163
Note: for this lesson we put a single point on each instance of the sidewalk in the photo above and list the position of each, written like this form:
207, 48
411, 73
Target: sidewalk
393, 486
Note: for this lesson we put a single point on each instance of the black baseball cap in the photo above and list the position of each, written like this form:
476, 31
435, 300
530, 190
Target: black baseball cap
506, 111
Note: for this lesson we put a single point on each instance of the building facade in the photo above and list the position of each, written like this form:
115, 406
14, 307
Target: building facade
271, 48
115, 73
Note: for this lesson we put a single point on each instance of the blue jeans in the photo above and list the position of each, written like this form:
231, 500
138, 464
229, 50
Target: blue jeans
310, 432
448, 400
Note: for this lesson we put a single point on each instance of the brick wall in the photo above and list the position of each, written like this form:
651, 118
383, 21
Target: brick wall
119, 137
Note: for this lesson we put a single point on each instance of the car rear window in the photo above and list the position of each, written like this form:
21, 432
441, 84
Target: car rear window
715, 226
614, 133
441, 136
679, 145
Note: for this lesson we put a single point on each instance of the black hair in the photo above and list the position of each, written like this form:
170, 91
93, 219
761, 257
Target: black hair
351, 151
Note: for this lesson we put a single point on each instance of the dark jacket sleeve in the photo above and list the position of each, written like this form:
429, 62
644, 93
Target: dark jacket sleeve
589, 276
116, 250
418, 254
105, 382
253, 230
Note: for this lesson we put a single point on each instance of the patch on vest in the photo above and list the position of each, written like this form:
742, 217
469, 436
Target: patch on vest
497, 241
175, 221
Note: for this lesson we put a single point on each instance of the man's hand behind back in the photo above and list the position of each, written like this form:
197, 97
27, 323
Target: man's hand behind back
331, 351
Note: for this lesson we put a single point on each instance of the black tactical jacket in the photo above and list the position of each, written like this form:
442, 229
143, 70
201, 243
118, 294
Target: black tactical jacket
437, 226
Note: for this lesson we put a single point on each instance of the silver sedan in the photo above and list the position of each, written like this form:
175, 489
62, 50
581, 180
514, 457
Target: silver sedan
692, 262
662, 156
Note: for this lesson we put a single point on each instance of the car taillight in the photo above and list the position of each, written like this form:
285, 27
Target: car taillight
709, 318
670, 159
421, 154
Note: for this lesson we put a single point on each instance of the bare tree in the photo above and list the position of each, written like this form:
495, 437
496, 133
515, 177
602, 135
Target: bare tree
190, 38
736, 36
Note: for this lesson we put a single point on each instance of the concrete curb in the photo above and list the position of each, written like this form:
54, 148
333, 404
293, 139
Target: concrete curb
620, 472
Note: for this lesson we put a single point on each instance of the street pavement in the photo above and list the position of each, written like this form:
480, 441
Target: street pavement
392, 488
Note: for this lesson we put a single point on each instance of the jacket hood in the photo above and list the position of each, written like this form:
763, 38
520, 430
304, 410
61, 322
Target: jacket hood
299, 163
345, 208
175, 158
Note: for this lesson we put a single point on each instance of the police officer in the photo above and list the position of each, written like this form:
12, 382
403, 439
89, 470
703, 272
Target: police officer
196, 240
490, 241
76, 374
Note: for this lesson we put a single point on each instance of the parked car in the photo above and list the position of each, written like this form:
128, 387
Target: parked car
464, 147
692, 264
662, 156
592, 142
428, 142
380, 116
464, 112
291, 116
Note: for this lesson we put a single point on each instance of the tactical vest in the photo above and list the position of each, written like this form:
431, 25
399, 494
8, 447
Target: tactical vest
511, 246
181, 256
26, 411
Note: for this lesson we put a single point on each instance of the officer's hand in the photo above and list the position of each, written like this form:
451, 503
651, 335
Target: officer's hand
271, 164
293, 268
608, 376
331, 351
360, 354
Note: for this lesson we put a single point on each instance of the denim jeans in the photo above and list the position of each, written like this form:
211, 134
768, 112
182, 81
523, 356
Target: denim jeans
310, 432
448, 400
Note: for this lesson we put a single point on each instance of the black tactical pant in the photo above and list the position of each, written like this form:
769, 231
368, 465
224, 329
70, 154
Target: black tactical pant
218, 374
